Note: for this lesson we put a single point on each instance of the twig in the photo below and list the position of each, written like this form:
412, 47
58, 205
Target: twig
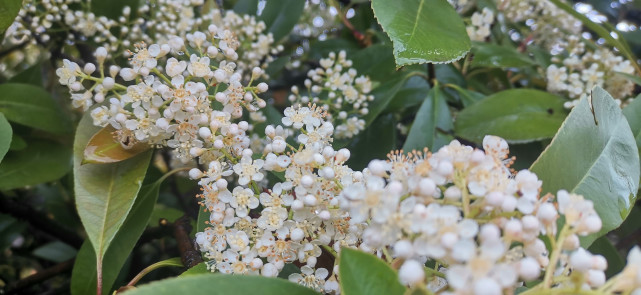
40, 221
188, 254
41, 276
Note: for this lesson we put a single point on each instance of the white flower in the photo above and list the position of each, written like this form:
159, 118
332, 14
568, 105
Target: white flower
68, 72
199, 66
175, 67
248, 170
243, 200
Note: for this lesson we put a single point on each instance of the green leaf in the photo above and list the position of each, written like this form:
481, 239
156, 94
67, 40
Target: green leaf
17, 143
8, 11
517, 115
410, 96
200, 268
41, 161
102, 148
32, 75
379, 70
363, 273
597, 141
206, 284
423, 31
105, 193
6, 135
55, 251
383, 94
281, 16
432, 118
632, 112
32, 106
492, 55
83, 279
373, 143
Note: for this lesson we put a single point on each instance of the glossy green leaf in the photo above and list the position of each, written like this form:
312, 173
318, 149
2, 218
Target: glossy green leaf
281, 16
423, 31
596, 139
6, 135
104, 193
112, 8
432, 120
32, 106
517, 115
41, 161
83, 279
373, 143
410, 96
8, 12
205, 284
364, 273
102, 148
492, 55
632, 113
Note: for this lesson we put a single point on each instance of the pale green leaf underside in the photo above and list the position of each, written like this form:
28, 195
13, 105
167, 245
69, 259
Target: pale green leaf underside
105, 193
599, 161
423, 31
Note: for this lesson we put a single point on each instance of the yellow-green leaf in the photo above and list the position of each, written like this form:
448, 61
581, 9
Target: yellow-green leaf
103, 148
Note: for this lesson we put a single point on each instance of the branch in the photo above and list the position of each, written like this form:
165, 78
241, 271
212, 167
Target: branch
41, 276
189, 255
40, 221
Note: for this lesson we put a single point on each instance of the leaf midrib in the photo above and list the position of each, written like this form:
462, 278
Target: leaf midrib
106, 212
418, 14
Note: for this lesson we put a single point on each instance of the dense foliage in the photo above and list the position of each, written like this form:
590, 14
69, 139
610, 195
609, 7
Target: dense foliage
319, 147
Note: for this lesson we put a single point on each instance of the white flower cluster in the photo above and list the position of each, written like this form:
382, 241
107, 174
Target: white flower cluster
479, 29
256, 230
575, 75
186, 103
162, 22
549, 24
340, 91
462, 208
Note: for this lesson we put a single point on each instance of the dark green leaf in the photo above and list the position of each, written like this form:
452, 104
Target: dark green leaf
41, 161
32, 106
597, 140
383, 94
17, 143
382, 66
373, 143
205, 284
492, 55
105, 193
423, 31
8, 12
432, 120
410, 96
6, 135
55, 251
517, 115
112, 8
281, 16
363, 273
